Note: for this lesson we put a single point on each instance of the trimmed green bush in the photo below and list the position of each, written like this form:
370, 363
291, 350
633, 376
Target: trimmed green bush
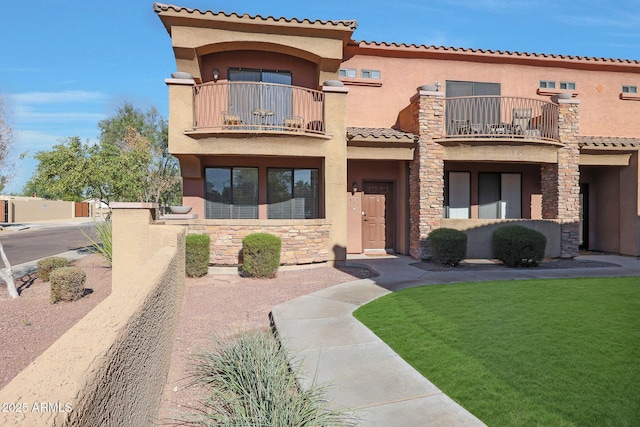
518, 246
448, 246
197, 254
67, 284
261, 255
47, 265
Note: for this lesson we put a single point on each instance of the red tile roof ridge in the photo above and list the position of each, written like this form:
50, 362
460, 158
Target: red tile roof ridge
365, 43
364, 132
615, 141
159, 7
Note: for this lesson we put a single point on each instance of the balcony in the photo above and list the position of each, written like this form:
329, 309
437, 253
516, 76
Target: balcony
246, 107
500, 118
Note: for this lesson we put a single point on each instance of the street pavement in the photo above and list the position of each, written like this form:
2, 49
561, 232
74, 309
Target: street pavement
26, 243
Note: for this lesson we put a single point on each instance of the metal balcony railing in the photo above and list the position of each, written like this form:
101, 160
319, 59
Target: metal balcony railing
501, 117
257, 107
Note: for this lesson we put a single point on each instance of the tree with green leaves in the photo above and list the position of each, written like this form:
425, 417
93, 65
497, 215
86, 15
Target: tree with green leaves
130, 163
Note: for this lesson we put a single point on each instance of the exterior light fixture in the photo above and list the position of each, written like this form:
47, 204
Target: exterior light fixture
437, 83
216, 74
354, 187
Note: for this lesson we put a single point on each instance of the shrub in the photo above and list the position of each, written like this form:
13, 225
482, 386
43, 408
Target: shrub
197, 254
67, 284
448, 246
250, 382
261, 255
47, 265
518, 246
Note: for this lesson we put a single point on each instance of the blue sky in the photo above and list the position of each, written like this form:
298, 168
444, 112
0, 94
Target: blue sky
67, 64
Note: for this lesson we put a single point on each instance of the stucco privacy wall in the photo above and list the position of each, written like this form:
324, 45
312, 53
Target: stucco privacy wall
35, 209
111, 367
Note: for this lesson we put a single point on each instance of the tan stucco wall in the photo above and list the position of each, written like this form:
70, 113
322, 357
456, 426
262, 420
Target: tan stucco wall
602, 112
111, 367
629, 208
303, 73
335, 171
604, 204
40, 210
480, 232
395, 172
614, 213
327, 52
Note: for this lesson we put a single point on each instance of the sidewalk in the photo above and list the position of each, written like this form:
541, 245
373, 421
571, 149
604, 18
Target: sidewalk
362, 372
27, 225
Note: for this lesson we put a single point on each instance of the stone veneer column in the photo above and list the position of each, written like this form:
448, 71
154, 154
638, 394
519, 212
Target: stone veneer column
426, 176
561, 182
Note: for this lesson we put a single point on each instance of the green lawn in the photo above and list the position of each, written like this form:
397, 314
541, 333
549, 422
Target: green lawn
522, 353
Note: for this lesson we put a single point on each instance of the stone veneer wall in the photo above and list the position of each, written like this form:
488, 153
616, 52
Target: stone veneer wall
303, 241
426, 176
561, 182
111, 367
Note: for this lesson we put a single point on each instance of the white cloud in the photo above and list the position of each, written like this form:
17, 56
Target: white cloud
79, 96
34, 140
27, 114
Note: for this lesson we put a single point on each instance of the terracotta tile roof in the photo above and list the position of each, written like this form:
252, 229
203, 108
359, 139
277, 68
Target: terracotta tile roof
161, 7
385, 134
527, 55
609, 142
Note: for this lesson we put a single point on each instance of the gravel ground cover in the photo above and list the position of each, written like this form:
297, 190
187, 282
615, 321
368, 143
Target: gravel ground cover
30, 324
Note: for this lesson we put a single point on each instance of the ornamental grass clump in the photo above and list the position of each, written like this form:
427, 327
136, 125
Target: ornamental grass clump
261, 255
197, 254
49, 264
67, 284
249, 382
102, 244
448, 246
518, 246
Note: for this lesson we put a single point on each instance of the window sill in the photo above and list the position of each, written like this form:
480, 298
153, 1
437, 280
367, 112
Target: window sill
361, 82
630, 96
551, 92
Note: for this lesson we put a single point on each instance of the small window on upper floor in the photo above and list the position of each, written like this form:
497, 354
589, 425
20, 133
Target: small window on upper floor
370, 74
568, 85
547, 84
348, 72
629, 89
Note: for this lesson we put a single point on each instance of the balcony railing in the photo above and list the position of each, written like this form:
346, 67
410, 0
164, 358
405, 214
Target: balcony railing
257, 107
501, 117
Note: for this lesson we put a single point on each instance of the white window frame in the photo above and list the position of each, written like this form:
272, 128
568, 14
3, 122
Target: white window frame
629, 89
370, 74
350, 73
568, 85
547, 84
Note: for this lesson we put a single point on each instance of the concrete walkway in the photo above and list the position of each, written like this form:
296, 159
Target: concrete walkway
331, 347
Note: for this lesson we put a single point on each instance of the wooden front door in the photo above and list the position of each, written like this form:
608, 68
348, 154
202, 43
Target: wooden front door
377, 218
